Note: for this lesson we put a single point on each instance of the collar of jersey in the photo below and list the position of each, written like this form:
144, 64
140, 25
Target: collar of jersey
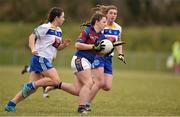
111, 26
53, 27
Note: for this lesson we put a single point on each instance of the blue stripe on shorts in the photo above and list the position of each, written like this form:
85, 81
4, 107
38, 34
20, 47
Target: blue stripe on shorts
39, 64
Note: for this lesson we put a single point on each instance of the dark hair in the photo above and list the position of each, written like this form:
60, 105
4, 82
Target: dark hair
53, 13
95, 17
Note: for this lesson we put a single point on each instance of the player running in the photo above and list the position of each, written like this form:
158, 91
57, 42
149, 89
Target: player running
44, 42
103, 65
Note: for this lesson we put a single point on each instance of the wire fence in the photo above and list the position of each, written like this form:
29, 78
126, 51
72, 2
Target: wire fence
154, 61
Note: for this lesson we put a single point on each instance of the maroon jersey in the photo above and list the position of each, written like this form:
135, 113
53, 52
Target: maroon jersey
89, 36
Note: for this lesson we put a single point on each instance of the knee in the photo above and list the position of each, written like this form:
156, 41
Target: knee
107, 87
99, 83
56, 82
76, 92
89, 84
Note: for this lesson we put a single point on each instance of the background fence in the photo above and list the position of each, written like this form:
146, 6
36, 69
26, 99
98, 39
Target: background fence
154, 61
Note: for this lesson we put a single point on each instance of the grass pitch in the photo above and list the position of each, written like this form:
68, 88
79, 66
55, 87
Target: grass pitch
134, 93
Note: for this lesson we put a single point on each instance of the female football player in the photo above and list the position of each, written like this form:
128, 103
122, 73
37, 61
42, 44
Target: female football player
87, 46
103, 65
44, 43
84, 57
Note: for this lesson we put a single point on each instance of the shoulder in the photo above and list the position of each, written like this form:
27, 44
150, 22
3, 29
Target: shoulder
59, 29
43, 26
86, 31
117, 26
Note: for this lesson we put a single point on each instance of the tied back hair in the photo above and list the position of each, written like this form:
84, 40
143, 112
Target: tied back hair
87, 24
97, 16
103, 8
100, 9
52, 14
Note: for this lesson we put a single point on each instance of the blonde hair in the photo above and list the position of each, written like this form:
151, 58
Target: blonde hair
99, 9
104, 8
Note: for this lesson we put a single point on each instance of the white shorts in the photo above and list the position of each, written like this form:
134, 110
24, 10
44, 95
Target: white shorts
80, 64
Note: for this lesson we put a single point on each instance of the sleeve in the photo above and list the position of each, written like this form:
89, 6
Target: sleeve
40, 31
82, 37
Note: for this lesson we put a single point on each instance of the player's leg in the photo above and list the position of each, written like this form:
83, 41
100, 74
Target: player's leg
43, 66
46, 90
26, 69
98, 78
108, 71
102, 66
98, 74
72, 88
51, 79
107, 82
10, 106
82, 71
85, 78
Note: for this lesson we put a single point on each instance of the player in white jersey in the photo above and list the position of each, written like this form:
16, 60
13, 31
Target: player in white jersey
103, 65
44, 43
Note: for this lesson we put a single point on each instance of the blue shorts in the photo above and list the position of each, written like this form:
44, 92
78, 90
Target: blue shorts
39, 64
105, 62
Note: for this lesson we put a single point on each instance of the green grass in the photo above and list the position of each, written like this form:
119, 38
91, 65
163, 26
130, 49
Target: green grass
134, 93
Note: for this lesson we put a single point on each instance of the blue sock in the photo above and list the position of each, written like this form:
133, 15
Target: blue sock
31, 85
11, 103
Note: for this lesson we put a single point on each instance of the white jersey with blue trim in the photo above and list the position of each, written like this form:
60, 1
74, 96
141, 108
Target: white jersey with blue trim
48, 38
113, 33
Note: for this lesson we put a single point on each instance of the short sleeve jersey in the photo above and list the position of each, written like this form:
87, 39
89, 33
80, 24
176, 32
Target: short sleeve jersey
48, 38
113, 32
89, 36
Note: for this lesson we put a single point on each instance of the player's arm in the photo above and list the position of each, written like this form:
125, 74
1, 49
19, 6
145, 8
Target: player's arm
65, 43
119, 49
80, 42
83, 46
32, 39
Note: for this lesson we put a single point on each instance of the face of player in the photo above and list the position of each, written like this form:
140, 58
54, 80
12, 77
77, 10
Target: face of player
60, 19
111, 15
102, 23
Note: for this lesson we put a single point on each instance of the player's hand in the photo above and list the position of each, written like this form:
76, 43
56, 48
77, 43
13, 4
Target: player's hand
67, 42
98, 47
118, 43
34, 51
121, 57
